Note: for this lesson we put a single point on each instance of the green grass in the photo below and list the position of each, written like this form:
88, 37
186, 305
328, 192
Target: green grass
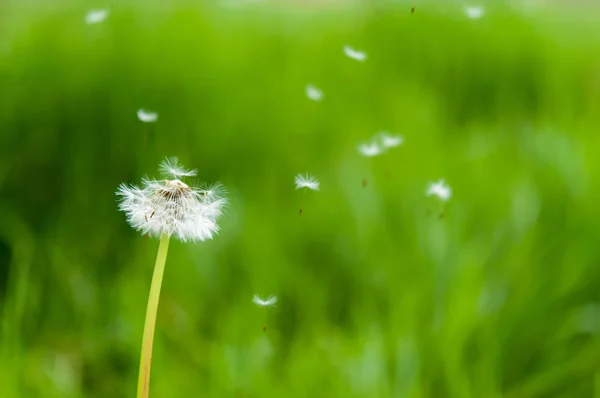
377, 296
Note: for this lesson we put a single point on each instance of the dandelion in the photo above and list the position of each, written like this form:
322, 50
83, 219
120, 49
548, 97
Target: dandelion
314, 93
355, 54
95, 16
147, 116
307, 182
390, 141
269, 302
474, 12
441, 191
165, 208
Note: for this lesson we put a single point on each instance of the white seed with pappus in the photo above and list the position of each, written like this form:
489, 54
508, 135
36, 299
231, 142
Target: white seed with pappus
307, 181
95, 16
370, 149
268, 302
171, 167
355, 54
171, 207
314, 93
474, 12
147, 116
390, 141
439, 189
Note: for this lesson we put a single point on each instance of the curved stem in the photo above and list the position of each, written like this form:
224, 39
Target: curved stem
153, 298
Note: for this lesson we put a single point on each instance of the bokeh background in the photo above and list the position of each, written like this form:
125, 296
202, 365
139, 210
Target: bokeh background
378, 296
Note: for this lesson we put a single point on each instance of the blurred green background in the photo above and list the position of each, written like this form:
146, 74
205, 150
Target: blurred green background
378, 297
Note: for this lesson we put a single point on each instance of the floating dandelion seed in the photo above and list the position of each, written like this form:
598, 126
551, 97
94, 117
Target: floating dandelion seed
165, 208
441, 191
171, 168
314, 93
355, 54
474, 12
95, 16
370, 149
307, 182
269, 302
390, 141
147, 116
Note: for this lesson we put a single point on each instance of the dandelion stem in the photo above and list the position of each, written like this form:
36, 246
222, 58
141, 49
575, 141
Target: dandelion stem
153, 298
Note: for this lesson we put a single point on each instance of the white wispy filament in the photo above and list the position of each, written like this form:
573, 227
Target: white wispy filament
307, 181
355, 54
439, 189
171, 207
95, 16
147, 116
270, 301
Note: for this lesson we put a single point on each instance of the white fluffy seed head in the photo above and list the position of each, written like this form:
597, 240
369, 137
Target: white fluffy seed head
172, 207
439, 189
147, 116
307, 181
270, 301
355, 54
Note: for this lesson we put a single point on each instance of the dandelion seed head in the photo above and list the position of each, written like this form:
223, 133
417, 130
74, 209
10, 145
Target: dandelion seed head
270, 301
147, 116
370, 149
474, 12
314, 93
307, 181
439, 189
355, 54
172, 207
95, 16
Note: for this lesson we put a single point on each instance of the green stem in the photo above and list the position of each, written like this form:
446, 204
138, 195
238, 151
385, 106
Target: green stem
153, 298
